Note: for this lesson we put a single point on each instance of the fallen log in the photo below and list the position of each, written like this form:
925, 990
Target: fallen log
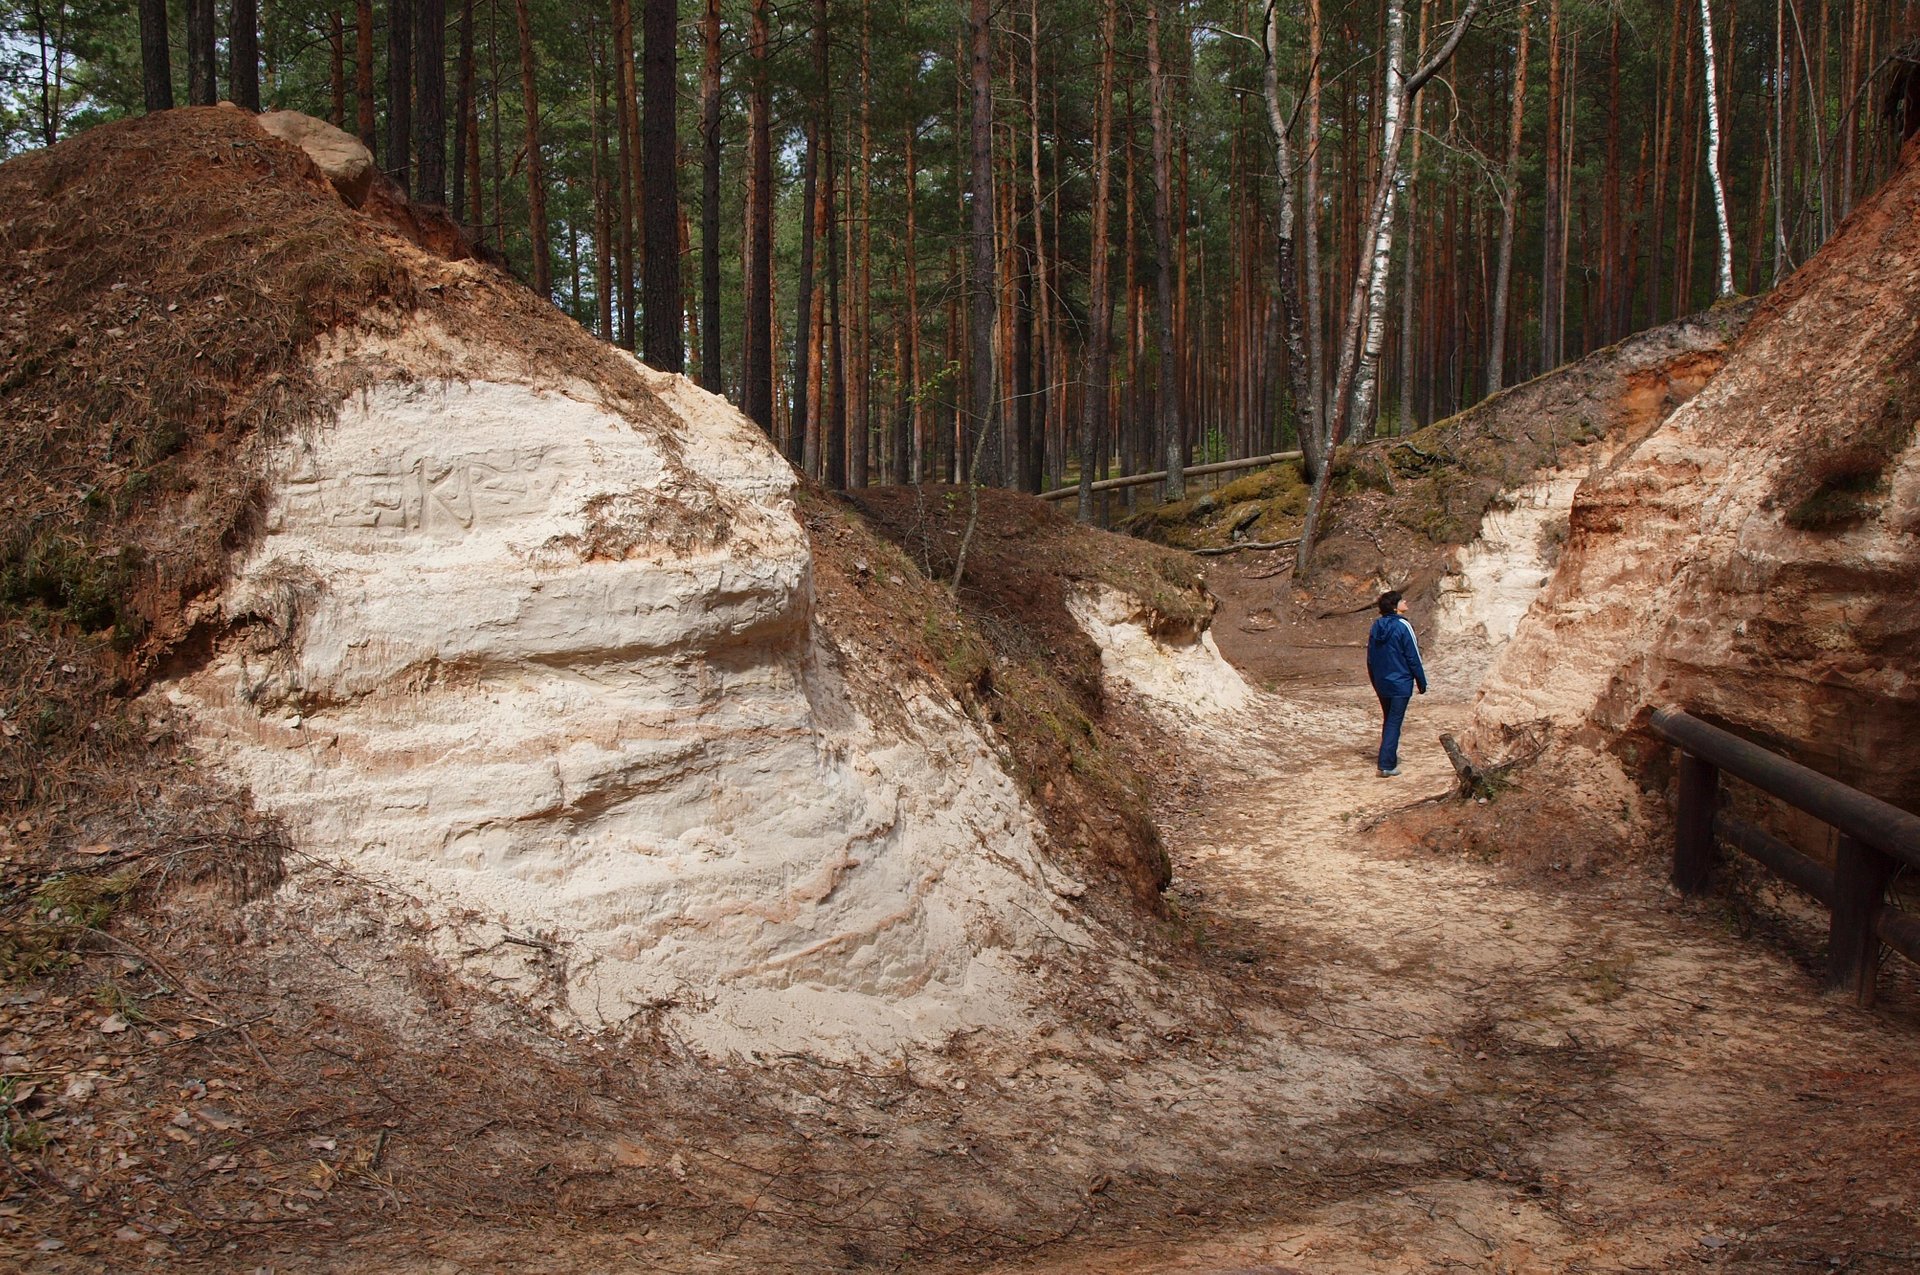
1246, 544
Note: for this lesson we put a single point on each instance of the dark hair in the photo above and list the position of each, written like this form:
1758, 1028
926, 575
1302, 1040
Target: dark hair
1389, 602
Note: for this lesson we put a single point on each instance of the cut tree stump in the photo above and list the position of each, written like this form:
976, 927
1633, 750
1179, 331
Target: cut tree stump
1473, 781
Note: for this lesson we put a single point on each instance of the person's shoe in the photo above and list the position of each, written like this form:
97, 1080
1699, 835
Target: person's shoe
1389, 774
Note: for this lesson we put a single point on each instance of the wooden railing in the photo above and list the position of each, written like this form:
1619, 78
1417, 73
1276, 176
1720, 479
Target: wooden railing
1876, 839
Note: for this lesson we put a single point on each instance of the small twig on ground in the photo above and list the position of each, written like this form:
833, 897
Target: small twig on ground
156, 963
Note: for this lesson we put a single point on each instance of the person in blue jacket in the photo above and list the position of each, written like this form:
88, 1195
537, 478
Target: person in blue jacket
1394, 668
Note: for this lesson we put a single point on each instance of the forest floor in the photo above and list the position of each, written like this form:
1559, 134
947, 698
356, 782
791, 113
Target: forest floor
1345, 1053
1561, 1072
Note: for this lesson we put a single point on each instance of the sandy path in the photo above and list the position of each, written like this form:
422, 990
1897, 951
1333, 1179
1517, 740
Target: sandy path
1491, 1076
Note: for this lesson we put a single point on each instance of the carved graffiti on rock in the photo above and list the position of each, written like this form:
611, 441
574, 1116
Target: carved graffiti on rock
424, 494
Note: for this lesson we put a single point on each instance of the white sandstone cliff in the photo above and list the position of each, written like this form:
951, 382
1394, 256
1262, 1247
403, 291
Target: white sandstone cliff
544, 659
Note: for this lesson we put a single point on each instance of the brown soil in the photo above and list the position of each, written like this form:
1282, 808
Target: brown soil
1027, 669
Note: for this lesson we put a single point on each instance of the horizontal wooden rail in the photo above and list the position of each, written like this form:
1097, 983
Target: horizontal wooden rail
1809, 876
1160, 475
1885, 827
1875, 838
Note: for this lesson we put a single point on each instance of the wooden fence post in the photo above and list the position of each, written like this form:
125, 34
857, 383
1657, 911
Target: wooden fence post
1860, 875
1693, 828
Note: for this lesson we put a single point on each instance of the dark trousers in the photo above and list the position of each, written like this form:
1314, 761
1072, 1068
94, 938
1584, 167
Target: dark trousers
1393, 709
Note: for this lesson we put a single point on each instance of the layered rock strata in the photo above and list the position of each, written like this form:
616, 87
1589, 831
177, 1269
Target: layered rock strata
1755, 558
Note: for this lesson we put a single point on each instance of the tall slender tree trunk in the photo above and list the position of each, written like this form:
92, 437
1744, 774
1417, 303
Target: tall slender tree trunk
1353, 392
495, 129
1781, 252
1038, 446
597, 156
1300, 362
803, 441
1613, 265
917, 413
363, 73
1366, 312
464, 130
834, 357
1094, 420
156, 71
399, 158
983, 408
662, 302
337, 68
1509, 205
1020, 346
1316, 316
243, 55
430, 101
1723, 270
757, 357
1172, 435
710, 375
627, 151
1550, 317
861, 378
536, 170
201, 89
476, 198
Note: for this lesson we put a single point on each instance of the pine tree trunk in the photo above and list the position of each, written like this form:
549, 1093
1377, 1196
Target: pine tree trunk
536, 173
861, 379
1314, 446
156, 71
602, 194
1036, 281
1402, 391
803, 438
1316, 315
201, 89
919, 469
983, 439
337, 68
1550, 318
1094, 421
835, 354
1168, 401
661, 302
1509, 204
363, 73
756, 391
399, 161
430, 101
625, 107
710, 374
243, 55
463, 125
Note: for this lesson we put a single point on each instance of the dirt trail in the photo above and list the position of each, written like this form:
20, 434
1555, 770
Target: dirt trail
1516, 1076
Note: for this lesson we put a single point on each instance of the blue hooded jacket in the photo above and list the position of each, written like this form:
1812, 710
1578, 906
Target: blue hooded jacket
1393, 657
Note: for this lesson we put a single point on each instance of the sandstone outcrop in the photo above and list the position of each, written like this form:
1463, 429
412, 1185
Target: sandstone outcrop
1755, 558
516, 643
340, 156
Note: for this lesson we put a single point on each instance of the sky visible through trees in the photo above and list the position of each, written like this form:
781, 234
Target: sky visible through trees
881, 239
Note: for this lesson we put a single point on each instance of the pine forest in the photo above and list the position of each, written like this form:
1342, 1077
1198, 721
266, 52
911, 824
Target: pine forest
1035, 245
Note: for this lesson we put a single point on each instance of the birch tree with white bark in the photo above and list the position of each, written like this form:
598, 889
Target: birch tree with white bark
1351, 408
1723, 274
